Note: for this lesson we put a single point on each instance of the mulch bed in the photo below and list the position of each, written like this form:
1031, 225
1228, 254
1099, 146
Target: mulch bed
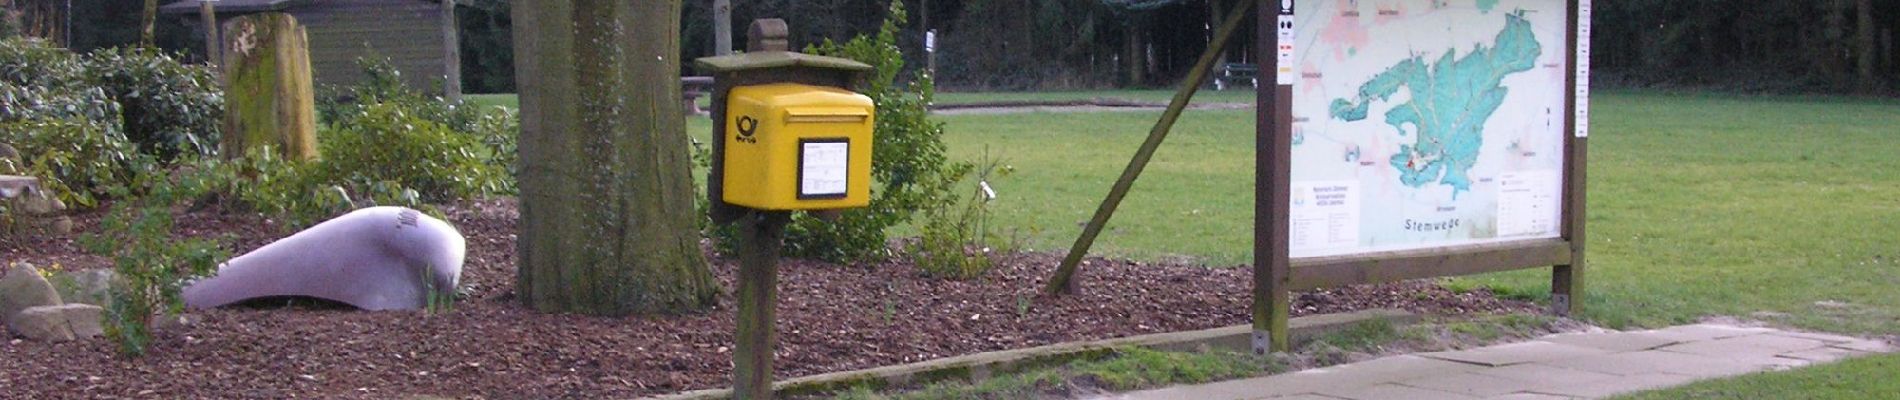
831, 318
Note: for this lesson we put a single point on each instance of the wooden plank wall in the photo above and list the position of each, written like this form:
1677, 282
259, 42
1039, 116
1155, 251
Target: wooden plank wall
408, 32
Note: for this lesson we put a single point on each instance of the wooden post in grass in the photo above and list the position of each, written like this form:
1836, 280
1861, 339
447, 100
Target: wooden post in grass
1064, 280
1273, 164
268, 95
1566, 282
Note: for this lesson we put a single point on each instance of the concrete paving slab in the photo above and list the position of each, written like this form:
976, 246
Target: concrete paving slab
1746, 346
1655, 361
1629, 384
1547, 375
1389, 369
1390, 391
1824, 354
1300, 397
1530, 396
1700, 332
1825, 337
1870, 346
1472, 384
1516, 353
1614, 341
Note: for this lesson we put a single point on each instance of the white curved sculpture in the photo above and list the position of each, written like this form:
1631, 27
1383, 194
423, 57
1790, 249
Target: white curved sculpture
377, 258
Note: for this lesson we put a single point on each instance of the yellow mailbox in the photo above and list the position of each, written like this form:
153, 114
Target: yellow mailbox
797, 147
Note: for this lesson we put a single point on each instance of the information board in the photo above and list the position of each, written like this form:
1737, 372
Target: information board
1427, 123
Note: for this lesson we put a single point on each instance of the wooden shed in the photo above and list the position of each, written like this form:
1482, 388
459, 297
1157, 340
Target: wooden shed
410, 33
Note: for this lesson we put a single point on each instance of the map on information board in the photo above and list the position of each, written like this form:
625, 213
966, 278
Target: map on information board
1426, 123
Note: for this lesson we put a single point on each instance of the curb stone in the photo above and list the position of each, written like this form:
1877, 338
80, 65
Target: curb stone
981, 366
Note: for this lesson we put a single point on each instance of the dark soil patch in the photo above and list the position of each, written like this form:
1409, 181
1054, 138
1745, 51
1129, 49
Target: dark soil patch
832, 318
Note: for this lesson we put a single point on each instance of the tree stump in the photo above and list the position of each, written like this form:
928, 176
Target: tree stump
268, 95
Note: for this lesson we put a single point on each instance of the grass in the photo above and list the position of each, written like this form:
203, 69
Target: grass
1205, 96
1861, 378
1783, 209
1127, 369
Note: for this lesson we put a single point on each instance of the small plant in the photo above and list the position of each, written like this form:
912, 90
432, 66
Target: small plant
436, 299
955, 238
152, 270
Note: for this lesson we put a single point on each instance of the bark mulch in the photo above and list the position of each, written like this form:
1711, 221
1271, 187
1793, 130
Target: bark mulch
831, 318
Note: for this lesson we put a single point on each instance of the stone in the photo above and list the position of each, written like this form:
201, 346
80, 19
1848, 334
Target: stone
378, 258
38, 202
45, 324
85, 320
23, 287
59, 323
93, 286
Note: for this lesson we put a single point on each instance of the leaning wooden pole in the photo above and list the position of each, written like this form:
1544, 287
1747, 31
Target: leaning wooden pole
1063, 282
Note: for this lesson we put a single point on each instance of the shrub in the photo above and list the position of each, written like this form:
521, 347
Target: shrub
389, 144
78, 160
151, 270
955, 239
909, 170
64, 113
382, 144
167, 107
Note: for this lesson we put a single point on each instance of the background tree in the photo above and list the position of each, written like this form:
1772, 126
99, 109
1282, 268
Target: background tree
607, 214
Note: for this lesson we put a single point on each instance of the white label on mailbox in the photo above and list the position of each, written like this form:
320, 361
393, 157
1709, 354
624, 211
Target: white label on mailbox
823, 168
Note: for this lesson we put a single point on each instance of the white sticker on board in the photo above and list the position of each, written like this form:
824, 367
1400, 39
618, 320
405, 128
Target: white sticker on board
823, 168
1283, 74
1583, 69
1324, 215
1528, 203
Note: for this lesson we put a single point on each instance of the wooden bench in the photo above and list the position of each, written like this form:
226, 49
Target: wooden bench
1231, 73
691, 89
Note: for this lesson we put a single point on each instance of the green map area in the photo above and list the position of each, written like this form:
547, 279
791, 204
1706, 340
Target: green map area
1451, 99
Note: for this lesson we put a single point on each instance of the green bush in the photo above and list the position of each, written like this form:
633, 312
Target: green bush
389, 143
168, 107
151, 267
382, 144
909, 170
955, 239
70, 115
80, 161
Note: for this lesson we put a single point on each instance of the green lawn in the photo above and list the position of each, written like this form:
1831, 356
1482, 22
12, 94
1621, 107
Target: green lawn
1862, 378
1205, 96
1781, 209
1151, 96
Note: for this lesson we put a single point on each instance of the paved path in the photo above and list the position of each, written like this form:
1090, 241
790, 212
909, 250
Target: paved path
1563, 366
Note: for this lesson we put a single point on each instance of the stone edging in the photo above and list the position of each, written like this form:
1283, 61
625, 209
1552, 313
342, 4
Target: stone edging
981, 366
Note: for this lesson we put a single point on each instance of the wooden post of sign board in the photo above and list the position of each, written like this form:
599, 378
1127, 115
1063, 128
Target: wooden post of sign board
1273, 150
1566, 283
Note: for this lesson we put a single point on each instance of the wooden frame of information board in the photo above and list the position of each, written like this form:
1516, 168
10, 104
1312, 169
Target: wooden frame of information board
1276, 273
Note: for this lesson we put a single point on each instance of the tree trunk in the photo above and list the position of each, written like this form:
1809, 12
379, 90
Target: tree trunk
607, 215
722, 27
147, 38
451, 54
1136, 57
1866, 49
268, 96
